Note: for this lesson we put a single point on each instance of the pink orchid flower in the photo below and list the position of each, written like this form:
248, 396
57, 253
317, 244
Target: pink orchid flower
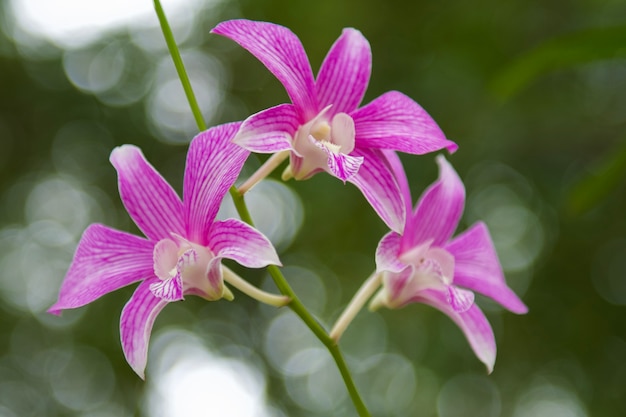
184, 244
324, 129
426, 265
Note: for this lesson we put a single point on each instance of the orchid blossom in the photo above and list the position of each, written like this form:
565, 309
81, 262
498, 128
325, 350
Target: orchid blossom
426, 265
324, 129
181, 254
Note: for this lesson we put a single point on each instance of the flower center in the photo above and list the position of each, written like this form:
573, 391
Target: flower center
429, 268
182, 267
317, 138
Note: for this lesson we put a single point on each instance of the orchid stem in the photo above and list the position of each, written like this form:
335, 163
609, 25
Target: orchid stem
265, 169
252, 291
295, 305
178, 63
356, 304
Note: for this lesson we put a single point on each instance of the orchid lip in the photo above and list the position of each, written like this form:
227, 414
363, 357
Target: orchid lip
319, 137
182, 267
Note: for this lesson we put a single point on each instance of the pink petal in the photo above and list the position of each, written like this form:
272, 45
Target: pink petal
171, 288
234, 239
387, 253
270, 130
340, 165
459, 299
438, 210
149, 199
394, 121
280, 50
477, 267
378, 184
136, 324
105, 260
215, 279
398, 172
168, 290
165, 258
472, 322
213, 164
345, 72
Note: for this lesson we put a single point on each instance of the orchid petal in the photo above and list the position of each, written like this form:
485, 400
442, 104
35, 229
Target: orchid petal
387, 253
105, 260
165, 258
340, 165
398, 172
379, 186
472, 322
171, 288
345, 72
213, 164
150, 201
459, 299
270, 130
280, 50
215, 279
477, 267
438, 210
168, 290
136, 324
234, 239
400, 287
394, 121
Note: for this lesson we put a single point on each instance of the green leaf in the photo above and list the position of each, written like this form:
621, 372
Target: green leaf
558, 53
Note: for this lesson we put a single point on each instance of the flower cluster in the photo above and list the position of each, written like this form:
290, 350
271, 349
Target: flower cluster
323, 129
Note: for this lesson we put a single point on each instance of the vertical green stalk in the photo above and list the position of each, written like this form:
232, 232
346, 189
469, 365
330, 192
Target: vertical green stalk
295, 305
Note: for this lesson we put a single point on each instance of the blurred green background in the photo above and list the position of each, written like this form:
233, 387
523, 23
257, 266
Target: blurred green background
532, 91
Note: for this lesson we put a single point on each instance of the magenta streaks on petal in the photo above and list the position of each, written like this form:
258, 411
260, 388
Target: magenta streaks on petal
105, 260
136, 323
397, 169
280, 50
378, 184
340, 165
213, 165
472, 322
395, 121
270, 130
459, 299
387, 253
438, 210
477, 267
234, 239
149, 199
345, 72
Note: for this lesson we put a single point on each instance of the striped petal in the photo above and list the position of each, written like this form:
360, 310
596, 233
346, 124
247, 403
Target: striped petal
213, 164
105, 260
394, 121
378, 184
270, 130
150, 201
472, 322
345, 73
438, 210
136, 323
400, 175
477, 267
234, 239
340, 165
280, 50
387, 253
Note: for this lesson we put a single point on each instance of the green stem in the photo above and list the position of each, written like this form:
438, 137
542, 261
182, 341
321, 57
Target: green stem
180, 67
295, 305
